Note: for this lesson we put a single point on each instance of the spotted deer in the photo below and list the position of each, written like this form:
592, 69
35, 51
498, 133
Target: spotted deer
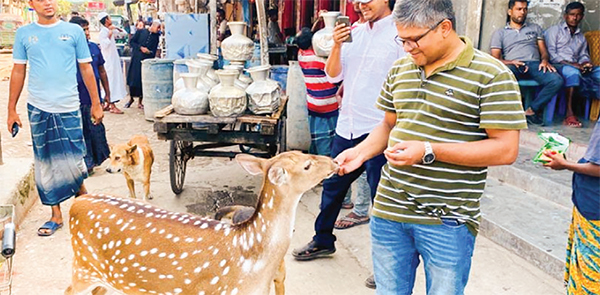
132, 247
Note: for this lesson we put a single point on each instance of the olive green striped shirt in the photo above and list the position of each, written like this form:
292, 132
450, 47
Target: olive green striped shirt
455, 104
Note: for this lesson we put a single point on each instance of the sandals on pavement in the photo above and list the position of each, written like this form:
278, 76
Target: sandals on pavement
115, 110
571, 121
348, 221
312, 251
49, 228
347, 205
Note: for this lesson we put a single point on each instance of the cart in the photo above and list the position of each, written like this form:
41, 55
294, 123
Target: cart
262, 136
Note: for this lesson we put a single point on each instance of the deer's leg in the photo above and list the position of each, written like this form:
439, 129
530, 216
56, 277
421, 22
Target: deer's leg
130, 185
80, 287
280, 279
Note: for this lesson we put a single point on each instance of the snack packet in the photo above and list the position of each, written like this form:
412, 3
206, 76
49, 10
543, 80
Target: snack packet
552, 142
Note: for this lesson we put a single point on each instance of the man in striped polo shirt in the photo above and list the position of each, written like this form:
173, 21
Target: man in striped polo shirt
450, 111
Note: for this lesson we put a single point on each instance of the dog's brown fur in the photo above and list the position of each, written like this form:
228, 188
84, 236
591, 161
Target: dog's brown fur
134, 159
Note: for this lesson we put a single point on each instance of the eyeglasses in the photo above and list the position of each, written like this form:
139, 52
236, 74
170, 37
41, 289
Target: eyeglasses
414, 42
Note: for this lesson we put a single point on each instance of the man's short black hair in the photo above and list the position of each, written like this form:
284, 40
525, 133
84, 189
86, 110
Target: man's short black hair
80, 21
221, 11
574, 5
103, 20
511, 3
304, 39
272, 12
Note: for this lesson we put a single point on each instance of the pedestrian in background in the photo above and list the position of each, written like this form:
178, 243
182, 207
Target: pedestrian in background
582, 275
144, 45
569, 54
450, 111
96, 146
53, 49
108, 46
362, 64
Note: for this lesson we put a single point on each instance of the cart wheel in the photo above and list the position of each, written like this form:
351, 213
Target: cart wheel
282, 136
179, 154
245, 149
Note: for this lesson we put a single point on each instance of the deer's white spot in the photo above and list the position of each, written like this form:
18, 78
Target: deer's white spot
132, 284
187, 281
97, 224
111, 244
176, 239
218, 226
143, 253
117, 252
197, 222
183, 255
148, 225
206, 264
131, 256
177, 290
135, 264
153, 230
131, 208
226, 270
201, 293
140, 211
270, 203
175, 263
258, 237
204, 225
123, 260
123, 206
119, 221
185, 221
264, 228
222, 263
152, 270
106, 230
197, 269
171, 256
138, 242
247, 265
235, 241
162, 231
125, 269
169, 236
162, 276
189, 240
99, 236
118, 243
163, 254
112, 216
216, 251
149, 214
127, 241
214, 280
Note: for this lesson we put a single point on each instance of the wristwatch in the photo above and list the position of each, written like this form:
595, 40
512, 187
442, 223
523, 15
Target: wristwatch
429, 156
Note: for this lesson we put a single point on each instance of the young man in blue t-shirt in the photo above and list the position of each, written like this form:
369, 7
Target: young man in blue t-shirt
53, 49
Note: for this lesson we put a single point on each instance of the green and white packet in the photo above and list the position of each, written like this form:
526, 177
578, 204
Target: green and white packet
553, 142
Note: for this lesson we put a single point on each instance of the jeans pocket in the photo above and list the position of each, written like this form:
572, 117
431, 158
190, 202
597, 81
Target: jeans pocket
452, 223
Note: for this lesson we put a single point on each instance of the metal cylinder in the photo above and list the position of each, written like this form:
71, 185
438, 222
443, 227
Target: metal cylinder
8, 240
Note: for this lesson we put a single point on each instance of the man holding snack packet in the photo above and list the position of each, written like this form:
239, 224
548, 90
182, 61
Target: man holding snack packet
583, 247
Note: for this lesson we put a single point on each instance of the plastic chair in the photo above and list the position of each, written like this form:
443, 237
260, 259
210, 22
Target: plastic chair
593, 39
529, 89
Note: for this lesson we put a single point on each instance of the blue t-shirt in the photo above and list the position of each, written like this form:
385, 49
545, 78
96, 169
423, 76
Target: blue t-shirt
586, 189
97, 61
52, 52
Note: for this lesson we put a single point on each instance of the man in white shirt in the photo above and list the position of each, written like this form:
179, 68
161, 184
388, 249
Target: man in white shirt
108, 46
363, 65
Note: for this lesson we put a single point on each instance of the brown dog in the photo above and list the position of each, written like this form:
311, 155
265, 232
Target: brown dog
135, 160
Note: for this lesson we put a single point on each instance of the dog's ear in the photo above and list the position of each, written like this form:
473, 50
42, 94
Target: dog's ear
132, 149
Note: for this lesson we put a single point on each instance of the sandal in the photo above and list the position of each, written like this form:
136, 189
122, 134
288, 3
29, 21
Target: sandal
571, 121
51, 226
312, 251
347, 205
115, 110
140, 106
348, 221
106, 106
128, 104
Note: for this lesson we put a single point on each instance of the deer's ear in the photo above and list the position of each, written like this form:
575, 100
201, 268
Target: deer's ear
277, 175
132, 149
250, 163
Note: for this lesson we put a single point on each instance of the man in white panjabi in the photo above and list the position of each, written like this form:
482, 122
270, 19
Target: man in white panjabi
108, 46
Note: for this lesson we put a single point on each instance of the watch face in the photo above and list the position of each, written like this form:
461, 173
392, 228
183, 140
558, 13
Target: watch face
428, 159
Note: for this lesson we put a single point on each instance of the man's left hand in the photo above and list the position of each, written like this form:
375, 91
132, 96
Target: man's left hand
406, 153
97, 114
545, 66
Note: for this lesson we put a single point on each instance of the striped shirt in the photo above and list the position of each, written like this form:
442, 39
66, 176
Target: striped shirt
320, 97
455, 104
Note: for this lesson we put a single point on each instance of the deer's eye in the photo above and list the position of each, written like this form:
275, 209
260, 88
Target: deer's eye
307, 165
117, 158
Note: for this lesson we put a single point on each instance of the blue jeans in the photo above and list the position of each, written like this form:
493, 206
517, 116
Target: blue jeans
335, 188
363, 196
446, 250
550, 83
588, 83
322, 132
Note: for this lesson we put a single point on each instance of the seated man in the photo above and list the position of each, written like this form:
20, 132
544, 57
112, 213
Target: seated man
569, 53
519, 45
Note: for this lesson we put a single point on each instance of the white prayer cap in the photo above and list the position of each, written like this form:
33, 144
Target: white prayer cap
102, 15
156, 22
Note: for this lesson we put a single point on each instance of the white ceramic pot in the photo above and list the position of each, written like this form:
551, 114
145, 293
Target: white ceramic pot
200, 69
225, 99
322, 40
190, 100
238, 81
237, 47
210, 58
264, 94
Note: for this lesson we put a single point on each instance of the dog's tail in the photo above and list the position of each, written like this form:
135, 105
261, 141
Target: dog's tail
236, 213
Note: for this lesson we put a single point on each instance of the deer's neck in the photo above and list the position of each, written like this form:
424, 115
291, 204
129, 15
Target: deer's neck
269, 230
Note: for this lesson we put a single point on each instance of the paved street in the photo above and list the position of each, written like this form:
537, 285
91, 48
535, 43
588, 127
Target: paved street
43, 264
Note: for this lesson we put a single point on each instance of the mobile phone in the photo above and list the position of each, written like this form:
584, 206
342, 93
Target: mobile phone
342, 19
15, 129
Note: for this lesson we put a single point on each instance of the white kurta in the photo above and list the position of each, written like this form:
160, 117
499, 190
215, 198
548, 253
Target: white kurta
112, 64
